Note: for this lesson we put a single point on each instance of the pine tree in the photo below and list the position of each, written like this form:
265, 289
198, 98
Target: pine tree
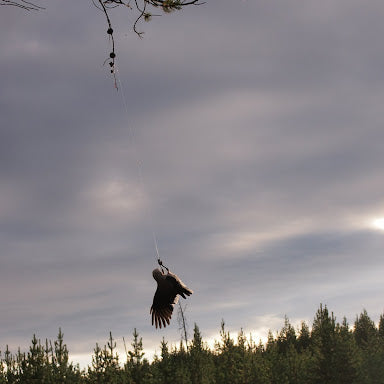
365, 330
11, 366
136, 366
346, 355
335, 352
259, 364
286, 337
230, 364
112, 372
367, 337
304, 338
323, 344
32, 367
276, 364
295, 363
105, 365
179, 360
96, 370
381, 328
200, 360
63, 372
164, 366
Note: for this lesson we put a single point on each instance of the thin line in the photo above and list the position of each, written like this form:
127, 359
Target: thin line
139, 164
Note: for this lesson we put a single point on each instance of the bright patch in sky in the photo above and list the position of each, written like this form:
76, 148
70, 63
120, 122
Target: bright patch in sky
379, 223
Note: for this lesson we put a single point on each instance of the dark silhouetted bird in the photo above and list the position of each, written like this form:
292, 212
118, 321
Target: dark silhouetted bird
169, 286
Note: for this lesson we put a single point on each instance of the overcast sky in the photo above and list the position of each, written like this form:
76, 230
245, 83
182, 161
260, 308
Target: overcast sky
258, 127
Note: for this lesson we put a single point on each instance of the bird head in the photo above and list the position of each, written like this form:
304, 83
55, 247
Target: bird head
157, 274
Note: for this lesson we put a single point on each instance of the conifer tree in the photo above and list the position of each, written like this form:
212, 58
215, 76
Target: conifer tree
226, 358
96, 370
243, 358
367, 337
105, 364
136, 366
112, 373
11, 366
200, 360
323, 344
381, 328
365, 330
32, 367
335, 352
63, 372
346, 355
260, 370
293, 351
180, 372
286, 337
304, 338
164, 366
276, 354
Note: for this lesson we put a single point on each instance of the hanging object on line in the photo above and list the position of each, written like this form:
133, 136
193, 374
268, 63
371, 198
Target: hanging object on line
169, 287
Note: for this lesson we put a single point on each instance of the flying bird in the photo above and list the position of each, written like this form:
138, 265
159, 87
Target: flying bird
169, 286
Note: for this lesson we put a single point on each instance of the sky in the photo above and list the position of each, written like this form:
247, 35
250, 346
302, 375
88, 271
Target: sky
246, 137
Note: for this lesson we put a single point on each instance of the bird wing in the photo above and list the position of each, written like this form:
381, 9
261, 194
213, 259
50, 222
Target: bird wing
179, 287
162, 306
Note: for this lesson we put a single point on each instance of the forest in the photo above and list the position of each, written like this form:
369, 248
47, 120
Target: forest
326, 352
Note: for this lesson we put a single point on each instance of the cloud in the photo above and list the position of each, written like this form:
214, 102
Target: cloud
260, 167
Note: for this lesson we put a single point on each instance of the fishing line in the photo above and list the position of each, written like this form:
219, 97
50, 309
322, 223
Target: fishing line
139, 164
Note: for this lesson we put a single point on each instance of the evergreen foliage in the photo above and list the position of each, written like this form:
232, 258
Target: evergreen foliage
328, 353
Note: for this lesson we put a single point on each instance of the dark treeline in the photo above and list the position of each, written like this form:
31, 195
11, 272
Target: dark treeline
328, 352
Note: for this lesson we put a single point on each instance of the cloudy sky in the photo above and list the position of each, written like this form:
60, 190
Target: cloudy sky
258, 127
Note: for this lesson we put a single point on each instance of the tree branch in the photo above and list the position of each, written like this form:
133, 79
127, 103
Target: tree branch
26, 5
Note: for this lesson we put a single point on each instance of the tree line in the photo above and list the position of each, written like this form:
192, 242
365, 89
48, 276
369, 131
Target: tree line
327, 353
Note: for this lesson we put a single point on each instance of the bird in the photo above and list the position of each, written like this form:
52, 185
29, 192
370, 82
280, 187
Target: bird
169, 287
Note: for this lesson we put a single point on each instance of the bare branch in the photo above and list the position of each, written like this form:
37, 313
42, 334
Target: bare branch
26, 5
183, 326
143, 8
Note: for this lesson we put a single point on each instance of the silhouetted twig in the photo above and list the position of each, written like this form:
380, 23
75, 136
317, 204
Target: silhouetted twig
28, 6
143, 7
